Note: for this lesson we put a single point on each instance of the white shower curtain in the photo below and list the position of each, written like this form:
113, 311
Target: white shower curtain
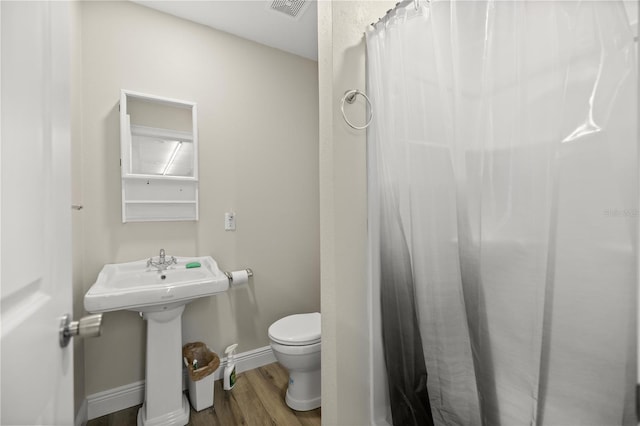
503, 198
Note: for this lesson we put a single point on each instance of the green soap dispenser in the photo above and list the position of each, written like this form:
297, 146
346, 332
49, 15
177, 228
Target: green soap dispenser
230, 369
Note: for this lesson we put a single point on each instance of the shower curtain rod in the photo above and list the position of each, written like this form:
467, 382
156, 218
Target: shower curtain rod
416, 4
404, 3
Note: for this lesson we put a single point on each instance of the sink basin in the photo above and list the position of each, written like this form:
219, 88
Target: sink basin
136, 287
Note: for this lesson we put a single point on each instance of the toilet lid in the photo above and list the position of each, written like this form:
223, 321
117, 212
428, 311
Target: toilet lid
296, 330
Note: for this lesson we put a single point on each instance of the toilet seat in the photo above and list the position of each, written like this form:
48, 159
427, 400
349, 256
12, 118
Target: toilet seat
296, 330
296, 350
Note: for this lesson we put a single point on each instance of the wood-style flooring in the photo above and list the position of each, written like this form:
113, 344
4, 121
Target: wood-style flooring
256, 399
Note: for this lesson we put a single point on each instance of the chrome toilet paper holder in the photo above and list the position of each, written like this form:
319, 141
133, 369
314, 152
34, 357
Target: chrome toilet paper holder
228, 274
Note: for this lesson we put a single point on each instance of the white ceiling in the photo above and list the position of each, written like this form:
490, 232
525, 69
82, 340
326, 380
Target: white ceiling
252, 20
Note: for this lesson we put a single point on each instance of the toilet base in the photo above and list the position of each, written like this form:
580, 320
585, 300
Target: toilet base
307, 405
303, 392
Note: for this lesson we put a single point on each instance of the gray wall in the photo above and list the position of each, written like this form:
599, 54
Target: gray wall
346, 384
258, 133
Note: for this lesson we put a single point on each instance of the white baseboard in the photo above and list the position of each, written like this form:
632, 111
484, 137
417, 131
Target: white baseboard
116, 399
81, 415
381, 422
249, 360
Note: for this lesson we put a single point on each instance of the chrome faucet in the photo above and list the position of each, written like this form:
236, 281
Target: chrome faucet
162, 264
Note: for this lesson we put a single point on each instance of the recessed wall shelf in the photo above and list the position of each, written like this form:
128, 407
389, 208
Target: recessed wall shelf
159, 158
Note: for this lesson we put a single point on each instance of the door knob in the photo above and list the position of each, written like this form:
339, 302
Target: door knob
89, 326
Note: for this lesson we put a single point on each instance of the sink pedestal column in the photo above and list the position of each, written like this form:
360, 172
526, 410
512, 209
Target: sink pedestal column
164, 403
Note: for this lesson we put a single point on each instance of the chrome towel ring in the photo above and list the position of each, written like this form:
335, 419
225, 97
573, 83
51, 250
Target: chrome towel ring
350, 97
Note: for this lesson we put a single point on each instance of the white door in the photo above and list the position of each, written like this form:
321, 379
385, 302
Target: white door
36, 374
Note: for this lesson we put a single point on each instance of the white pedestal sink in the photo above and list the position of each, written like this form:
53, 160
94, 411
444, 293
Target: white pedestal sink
160, 296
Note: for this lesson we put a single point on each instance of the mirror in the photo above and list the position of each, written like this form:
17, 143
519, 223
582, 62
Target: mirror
160, 155
161, 138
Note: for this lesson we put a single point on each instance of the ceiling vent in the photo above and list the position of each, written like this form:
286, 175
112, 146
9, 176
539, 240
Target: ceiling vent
294, 9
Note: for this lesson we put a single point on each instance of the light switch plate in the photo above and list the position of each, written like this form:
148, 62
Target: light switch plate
229, 221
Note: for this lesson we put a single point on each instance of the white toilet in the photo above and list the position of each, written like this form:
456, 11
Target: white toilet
295, 341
